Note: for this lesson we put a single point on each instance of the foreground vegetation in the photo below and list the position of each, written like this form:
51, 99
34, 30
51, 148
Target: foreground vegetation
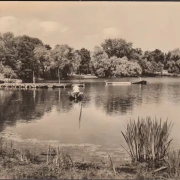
148, 144
23, 56
148, 140
25, 161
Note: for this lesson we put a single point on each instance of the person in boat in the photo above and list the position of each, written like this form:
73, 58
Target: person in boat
76, 90
140, 79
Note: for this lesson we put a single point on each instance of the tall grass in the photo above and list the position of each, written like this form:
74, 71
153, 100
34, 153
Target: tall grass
56, 157
173, 161
147, 139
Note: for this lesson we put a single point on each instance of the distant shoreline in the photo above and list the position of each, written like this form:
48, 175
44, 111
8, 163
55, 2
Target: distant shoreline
86, 77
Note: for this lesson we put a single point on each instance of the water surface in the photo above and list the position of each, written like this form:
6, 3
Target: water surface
49, 114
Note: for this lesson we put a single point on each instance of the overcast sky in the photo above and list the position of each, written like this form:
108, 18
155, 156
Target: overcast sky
149, 25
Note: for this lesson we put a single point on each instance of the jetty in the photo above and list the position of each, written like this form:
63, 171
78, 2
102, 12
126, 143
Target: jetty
118, 83
39, 85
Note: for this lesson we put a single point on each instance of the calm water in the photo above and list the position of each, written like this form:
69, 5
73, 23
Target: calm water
49, 115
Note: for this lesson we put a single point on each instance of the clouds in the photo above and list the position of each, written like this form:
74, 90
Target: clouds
111, 32
28, 7
147, 25
107, 32
51, 27
33, 27
104, 33
94, 36
7, 23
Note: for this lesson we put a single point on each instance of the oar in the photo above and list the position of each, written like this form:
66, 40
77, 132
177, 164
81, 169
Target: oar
80, 113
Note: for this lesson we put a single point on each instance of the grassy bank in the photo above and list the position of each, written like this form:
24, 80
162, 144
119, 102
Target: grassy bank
55, 162
36, 160
148, 145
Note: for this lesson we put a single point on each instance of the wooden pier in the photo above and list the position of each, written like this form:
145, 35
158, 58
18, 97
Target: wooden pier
39, 85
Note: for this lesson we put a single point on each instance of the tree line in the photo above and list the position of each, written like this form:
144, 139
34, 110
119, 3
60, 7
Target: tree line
20, 56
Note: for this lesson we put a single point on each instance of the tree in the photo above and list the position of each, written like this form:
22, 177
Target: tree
123, 67
155, 66
147, 67
159, 56
25, 46
160, 67
8, 52
113, 66
175, 54
135, 54
43, 58
2, 51
75, 62
171, 66
66, 60
48, 47
9, 73
117, 47
101, 62
85, 61
156, 56
178, 63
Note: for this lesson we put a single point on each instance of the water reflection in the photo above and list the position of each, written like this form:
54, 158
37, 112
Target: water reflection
28, 105
96, 119
117, 100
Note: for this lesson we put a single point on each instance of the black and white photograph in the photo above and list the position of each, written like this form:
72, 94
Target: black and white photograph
89, 90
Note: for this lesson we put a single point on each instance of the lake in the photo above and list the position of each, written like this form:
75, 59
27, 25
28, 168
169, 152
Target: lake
47, 114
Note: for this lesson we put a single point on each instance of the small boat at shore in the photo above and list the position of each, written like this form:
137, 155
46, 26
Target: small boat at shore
140, 82
125, 83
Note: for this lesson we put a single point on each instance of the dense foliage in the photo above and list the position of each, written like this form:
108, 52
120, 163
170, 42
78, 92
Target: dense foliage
22, 56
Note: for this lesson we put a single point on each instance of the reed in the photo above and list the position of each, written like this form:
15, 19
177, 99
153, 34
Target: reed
147, 140
112, 165
173, 161
56, 157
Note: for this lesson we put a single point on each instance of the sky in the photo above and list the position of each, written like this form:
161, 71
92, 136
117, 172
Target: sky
148, 25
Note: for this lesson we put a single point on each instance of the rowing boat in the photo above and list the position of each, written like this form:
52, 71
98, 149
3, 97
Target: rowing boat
75, 96
140, 82
125, 83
